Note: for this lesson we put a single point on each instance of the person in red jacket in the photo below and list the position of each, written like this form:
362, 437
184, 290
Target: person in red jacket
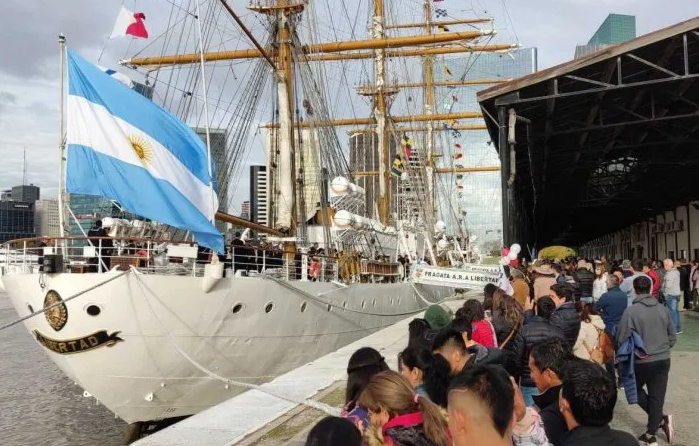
483, 331
650, 272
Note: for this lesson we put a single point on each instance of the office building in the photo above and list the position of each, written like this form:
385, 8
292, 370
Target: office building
257, 206
245, 210
616, 28
477, 202
6, 195
46, 218
25, 193
16, 220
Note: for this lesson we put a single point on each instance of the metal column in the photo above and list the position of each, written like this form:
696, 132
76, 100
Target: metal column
504, 151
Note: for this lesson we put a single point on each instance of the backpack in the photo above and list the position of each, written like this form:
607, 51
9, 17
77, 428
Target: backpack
604, 351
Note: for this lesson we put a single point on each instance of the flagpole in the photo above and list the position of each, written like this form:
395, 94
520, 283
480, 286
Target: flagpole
214, 205
61, 134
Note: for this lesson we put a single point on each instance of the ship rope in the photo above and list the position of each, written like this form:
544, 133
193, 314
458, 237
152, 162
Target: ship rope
334, 411
64, 301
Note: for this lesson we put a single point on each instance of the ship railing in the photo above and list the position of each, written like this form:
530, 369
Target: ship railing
80, 255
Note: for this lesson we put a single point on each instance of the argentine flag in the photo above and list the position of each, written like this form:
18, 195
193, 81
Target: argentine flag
124, 147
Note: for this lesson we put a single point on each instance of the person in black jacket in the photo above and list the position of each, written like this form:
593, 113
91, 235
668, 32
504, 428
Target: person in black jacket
539, 329
451, 345
507, 322
587, 400
565, 317
546, 362
585, 280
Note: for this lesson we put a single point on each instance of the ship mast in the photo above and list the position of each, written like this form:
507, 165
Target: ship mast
380, 114
379, 47
429, 110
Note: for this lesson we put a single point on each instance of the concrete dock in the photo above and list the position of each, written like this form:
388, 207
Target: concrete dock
257, 418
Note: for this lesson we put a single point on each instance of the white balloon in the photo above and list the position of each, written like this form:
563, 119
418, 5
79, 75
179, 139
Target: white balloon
512, 255
516, 248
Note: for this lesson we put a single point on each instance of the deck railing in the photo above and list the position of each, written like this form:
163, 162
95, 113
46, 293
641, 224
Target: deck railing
81, 255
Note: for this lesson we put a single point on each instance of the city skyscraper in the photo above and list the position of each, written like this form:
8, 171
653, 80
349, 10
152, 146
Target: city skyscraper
479, 195
25, 193
258, 195
46, 218
16, 220
616, 28
245, 210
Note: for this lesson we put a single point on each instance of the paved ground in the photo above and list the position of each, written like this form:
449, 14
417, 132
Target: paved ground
682, 401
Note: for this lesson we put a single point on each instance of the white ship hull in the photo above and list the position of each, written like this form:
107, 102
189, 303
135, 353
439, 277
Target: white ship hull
146, 378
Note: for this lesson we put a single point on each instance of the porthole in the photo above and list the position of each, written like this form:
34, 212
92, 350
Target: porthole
237, 308
391, 301
93, 310
30, 308
303, 306
330, 307
373, 303
344, 304
269, 307
363, 304
399, 301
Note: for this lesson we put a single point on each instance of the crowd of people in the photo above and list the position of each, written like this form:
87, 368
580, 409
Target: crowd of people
539, 366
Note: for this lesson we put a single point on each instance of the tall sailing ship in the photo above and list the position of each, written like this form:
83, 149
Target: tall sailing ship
155, 328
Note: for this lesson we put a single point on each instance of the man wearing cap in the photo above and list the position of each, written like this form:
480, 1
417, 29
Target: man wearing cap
437, 317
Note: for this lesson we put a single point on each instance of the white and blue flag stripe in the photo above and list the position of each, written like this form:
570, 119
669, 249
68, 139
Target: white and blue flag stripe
125, 147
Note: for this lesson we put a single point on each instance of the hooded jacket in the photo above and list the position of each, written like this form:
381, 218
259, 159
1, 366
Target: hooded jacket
566, 318
588, 338
537, 330
651, 321
484, 356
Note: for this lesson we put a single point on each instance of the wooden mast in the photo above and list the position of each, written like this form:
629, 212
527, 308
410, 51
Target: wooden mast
384, 203
429, 105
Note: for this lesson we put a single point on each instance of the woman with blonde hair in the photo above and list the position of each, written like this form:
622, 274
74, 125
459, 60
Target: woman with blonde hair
399, 416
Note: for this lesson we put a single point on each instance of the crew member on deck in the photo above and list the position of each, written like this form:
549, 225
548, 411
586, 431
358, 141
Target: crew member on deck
94, 234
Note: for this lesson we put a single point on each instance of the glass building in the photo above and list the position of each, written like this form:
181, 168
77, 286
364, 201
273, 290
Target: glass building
16, 220
87, 210
616, 28
476, 196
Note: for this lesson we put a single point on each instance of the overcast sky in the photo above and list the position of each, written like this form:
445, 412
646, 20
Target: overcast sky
29, 54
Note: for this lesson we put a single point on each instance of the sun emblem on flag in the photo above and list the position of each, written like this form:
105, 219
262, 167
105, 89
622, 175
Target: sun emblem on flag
142, 147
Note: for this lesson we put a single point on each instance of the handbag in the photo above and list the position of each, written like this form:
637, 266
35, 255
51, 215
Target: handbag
604, 350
